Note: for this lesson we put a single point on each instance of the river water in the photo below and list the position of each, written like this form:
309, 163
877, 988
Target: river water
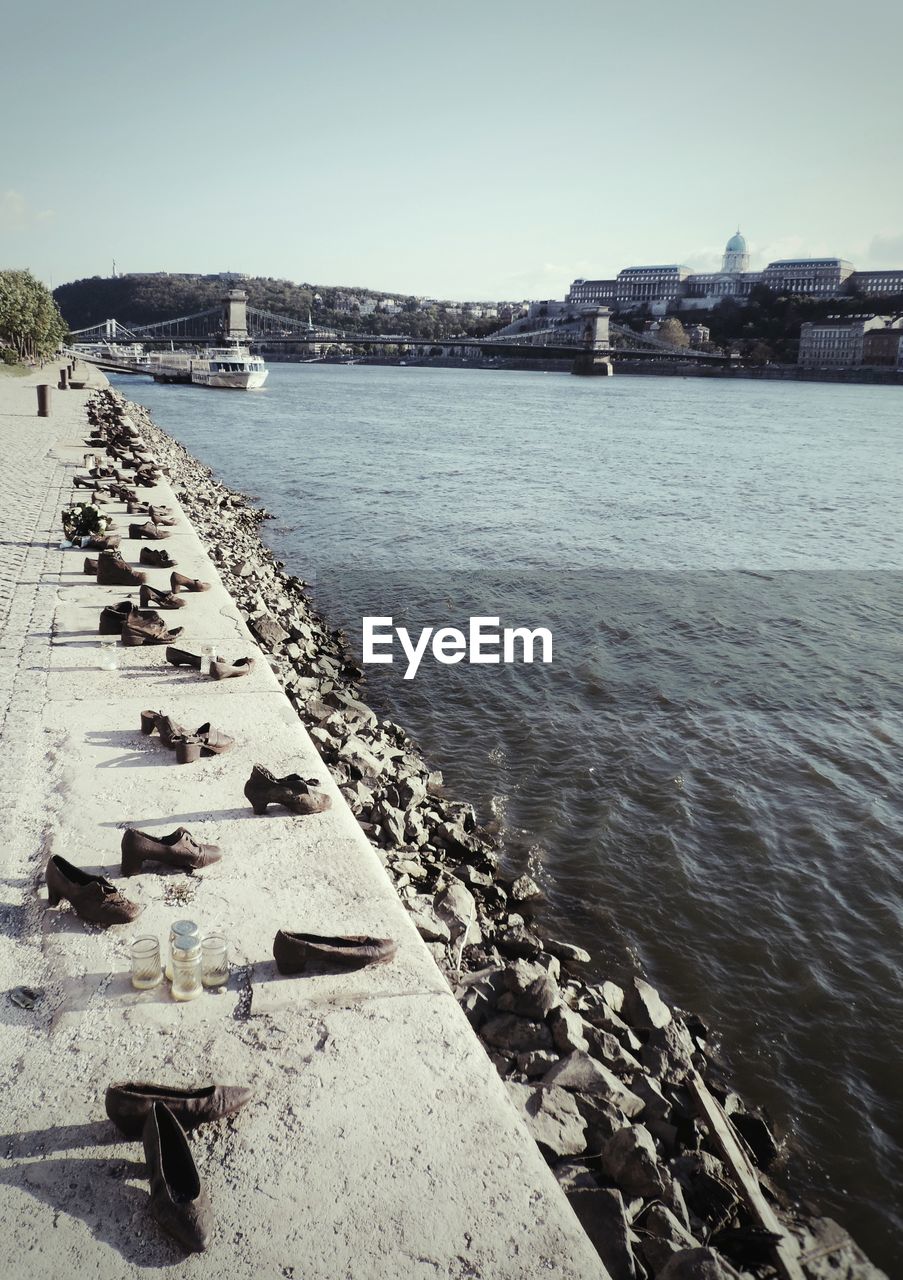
707, 778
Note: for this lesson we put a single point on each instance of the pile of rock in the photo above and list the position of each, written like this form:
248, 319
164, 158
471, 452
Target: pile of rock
602, 1074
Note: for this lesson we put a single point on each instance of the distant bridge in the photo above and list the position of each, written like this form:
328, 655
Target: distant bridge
591, 339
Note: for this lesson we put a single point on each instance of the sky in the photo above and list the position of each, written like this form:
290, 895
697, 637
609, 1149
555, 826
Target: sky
481, 149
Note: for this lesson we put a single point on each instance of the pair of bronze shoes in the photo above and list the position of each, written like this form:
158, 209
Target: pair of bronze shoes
91, 897
293, 951
159, 1116
178, 850
293, 792
205, 741
220, 669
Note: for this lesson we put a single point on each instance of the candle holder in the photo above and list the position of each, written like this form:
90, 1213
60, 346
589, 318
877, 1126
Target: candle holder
215, 960
145, 957
180, 929
186, 968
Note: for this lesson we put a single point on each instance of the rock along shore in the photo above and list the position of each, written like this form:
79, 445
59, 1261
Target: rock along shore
611, 1082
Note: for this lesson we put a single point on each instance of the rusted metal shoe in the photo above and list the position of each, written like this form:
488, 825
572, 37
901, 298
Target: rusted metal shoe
179, 850
293, 951
92, 897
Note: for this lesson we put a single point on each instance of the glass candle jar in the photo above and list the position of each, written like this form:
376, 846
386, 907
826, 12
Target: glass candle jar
206, 658
108, 659
180, 929
215, 960
186, 968
146, 971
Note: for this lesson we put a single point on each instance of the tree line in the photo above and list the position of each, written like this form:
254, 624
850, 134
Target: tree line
31, 326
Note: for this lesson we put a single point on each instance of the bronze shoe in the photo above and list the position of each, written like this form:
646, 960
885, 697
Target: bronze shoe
179, 849
178, 582
90, 565
104, 541
138, 631
205, 741
292, 951
157, 556
112, 617
161, 599
179, 1199
170, 732
92, 897
292, 791
149, 530
182, 658
128, 1104
222, 670
112, 571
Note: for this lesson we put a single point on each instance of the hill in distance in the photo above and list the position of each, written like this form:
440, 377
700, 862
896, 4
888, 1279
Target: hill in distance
146, 298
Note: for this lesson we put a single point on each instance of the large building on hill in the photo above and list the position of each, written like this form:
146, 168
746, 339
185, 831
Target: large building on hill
664, 287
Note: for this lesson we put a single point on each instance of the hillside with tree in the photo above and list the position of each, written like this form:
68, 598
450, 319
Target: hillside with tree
144, 299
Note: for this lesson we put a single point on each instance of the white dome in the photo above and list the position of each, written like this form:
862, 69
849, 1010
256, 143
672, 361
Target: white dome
736, 244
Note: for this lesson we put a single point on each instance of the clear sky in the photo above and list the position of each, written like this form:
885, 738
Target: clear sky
472, 149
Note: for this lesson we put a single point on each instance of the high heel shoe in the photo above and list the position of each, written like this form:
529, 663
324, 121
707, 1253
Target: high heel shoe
92, 897
293, 792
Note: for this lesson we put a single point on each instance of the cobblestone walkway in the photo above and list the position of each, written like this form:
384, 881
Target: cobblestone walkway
34, 487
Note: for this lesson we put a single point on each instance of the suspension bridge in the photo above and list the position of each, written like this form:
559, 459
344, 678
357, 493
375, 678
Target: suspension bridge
591, 339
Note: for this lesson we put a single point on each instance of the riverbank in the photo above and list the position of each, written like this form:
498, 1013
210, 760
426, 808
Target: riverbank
379, 1140
420, 855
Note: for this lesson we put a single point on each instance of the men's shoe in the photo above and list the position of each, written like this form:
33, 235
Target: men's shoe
179, 582
112, 571
161, 599
293, 951
90, 565
292, 792
104, 541
112, 617
149, 530
179, 849
222, 670
128, 1104
161, 515
92, 897
179, 1199
148, 630
158, 557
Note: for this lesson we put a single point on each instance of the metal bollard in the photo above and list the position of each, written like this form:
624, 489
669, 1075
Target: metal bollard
44, 410
63, 383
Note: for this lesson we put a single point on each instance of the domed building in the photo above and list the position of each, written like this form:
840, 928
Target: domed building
736, 254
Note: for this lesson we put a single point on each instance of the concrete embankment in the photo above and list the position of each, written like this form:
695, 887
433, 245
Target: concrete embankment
380, 1141
623, 1095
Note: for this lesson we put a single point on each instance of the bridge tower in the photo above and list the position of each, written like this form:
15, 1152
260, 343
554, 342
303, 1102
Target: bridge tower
235, 316
596, 344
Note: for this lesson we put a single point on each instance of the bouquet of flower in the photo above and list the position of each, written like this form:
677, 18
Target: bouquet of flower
84, 521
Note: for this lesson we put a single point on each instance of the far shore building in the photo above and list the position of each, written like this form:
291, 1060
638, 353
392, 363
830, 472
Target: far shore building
664, 288
837, 342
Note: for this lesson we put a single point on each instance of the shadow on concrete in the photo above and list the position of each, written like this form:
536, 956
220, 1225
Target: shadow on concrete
61, 1137
180, 819
100, 1193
